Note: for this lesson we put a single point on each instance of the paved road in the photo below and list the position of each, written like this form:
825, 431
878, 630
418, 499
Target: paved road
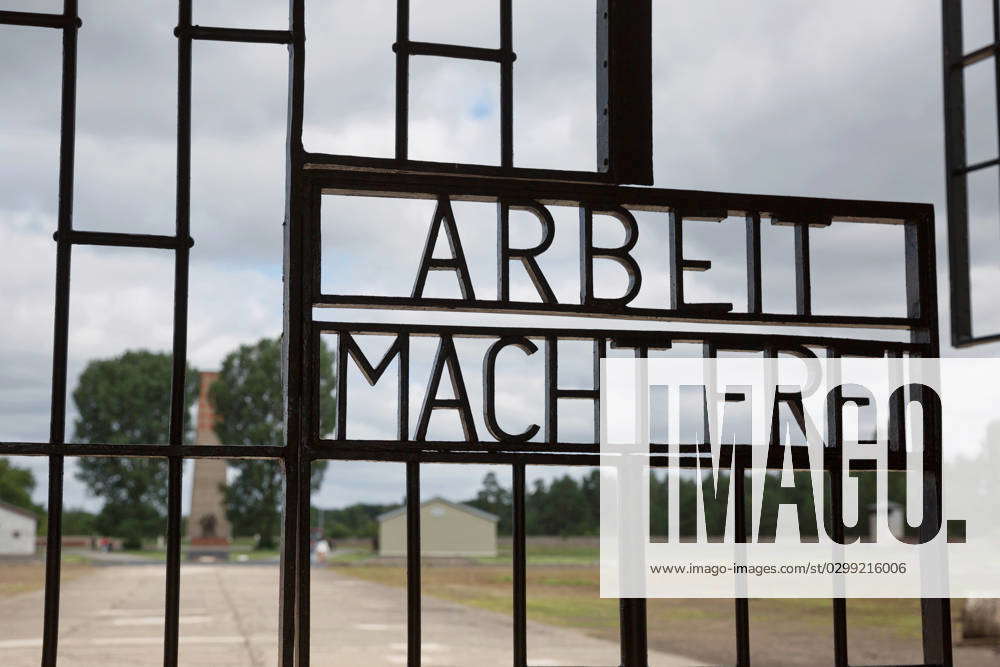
114, 616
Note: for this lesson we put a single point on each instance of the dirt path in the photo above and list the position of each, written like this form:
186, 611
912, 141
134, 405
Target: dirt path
114, 616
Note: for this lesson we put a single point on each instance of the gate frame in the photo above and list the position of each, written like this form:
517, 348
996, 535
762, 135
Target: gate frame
957, 169
624, 140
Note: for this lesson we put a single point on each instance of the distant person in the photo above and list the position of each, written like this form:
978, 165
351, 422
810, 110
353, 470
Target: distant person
322, 550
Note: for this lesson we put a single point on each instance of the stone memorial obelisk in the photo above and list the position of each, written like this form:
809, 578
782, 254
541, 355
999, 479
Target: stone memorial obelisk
208, 528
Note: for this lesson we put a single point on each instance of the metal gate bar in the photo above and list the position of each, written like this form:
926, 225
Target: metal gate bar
955, 62
66, 237
920, 319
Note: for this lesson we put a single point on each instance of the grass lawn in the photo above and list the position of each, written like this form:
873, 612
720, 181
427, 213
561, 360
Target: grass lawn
234, 554
350, 556
151, 554
563, 590
548, 554
24, 577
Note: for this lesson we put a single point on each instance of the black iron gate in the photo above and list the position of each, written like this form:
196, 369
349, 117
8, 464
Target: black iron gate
623, 73
957, 61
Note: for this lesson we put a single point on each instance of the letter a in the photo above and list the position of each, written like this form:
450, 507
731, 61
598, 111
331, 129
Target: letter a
456, 263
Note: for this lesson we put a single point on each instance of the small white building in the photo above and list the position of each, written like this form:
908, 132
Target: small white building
446, 529
17, 530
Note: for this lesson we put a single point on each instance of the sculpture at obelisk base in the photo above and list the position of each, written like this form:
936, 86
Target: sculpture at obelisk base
208, 529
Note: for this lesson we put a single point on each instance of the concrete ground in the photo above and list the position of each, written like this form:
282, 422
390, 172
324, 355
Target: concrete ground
229, 616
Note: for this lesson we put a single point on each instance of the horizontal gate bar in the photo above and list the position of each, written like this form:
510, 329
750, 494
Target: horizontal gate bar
151, 450
976, 56
630, 337
453, 51
377, 177
39, 20
976, 340
535, 453
411, 454
976, 166
246, 35
691, 312
124, 240
322, 161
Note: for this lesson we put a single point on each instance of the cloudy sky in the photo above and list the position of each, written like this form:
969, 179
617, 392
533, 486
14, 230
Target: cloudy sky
833, 98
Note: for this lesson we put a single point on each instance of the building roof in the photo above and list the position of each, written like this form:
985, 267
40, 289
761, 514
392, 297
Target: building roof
474, 511
18, 510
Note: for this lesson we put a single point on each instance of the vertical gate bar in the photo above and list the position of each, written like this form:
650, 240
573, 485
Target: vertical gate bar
520, 571
921, 286
996, 68
936, 612
402, 79
957, 184
803, 271
755, 302
741, 606
60, 345
179, 358
507, 84
742, 610
631, 611
403, 390
921, 283
171, 632
742, 632
342, 354
603, 88
632, 615
551, 389
413, 564
53, 554
835, 439
936, 615
840, 645
625, 90
310, 419
297, 312
303, 532
288, 612
600, 351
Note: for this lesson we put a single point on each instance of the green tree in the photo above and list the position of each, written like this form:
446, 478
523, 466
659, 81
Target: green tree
134, 492
125, 400
565, 511
16, 485
78, 522
249, 406
565, 507
497, 500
